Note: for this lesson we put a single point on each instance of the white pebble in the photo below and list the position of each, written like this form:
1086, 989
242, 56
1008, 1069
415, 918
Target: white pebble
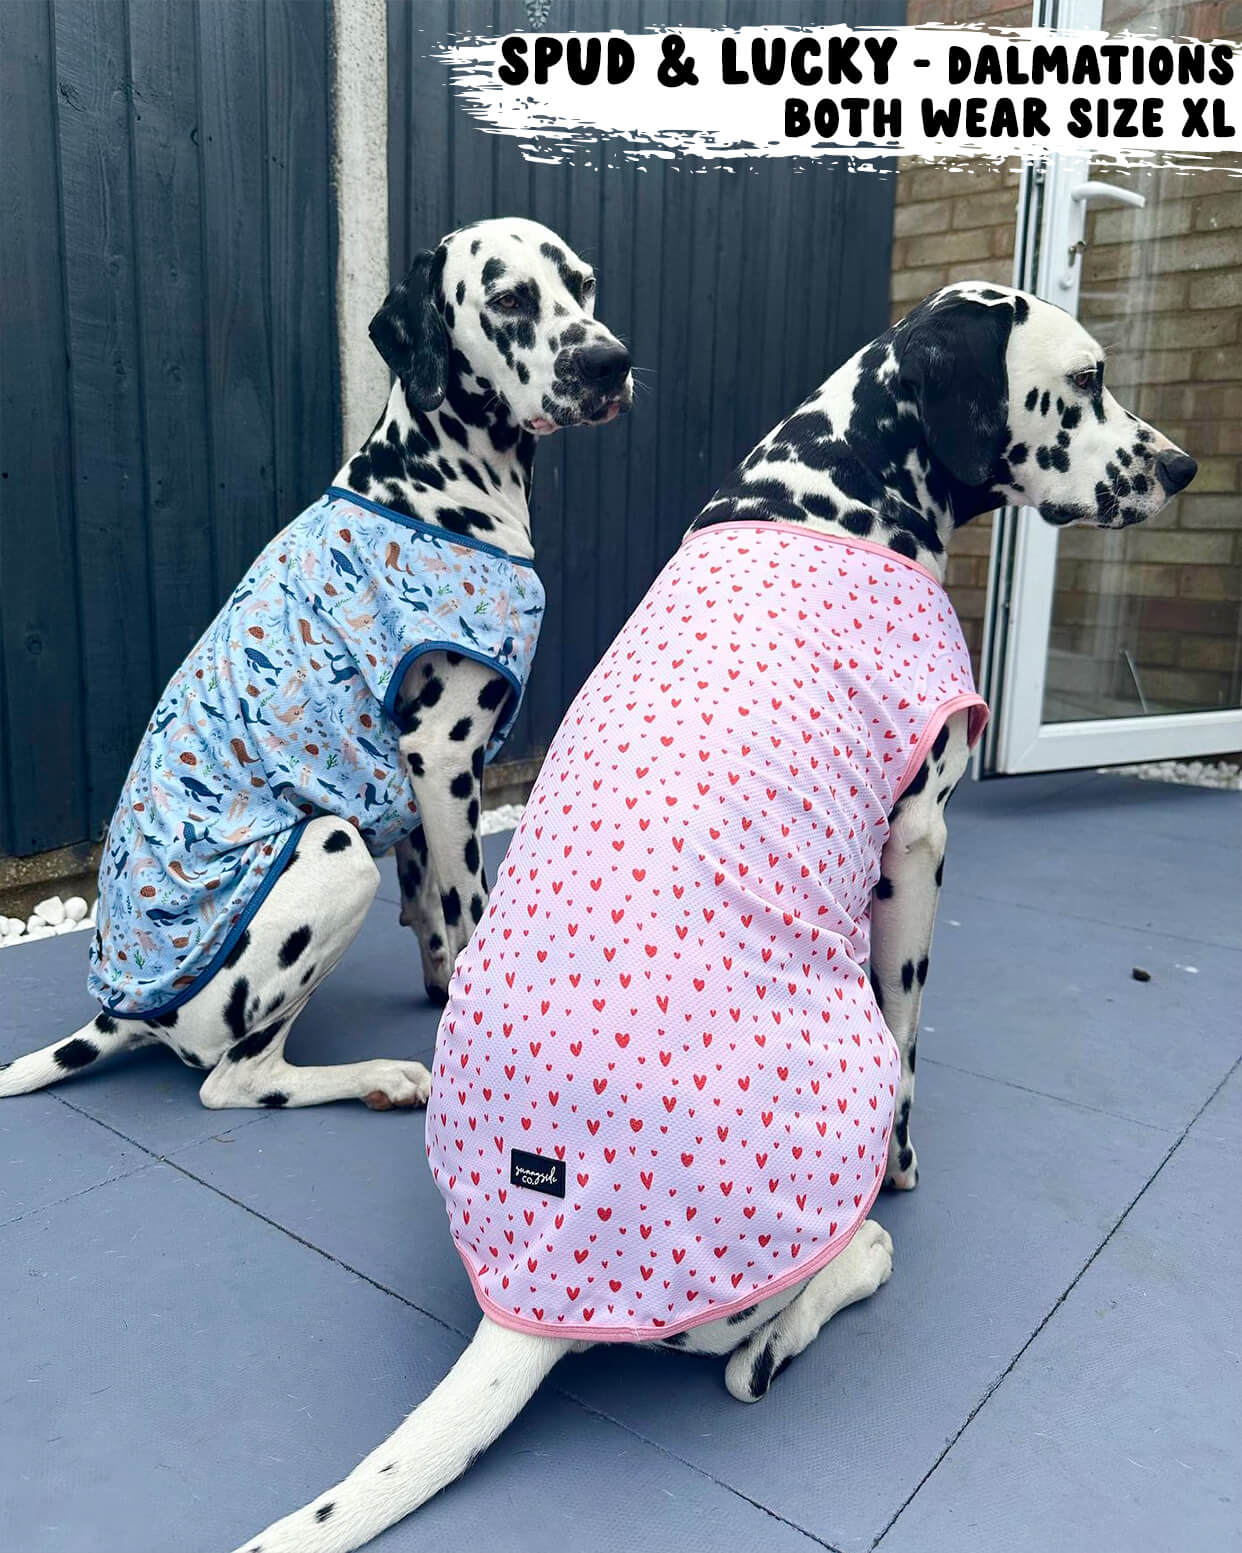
34, 922
76, 909
52, 910
67, 926
40, 930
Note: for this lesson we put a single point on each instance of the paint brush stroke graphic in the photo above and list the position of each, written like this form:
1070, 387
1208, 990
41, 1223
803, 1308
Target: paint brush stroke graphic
1123, 100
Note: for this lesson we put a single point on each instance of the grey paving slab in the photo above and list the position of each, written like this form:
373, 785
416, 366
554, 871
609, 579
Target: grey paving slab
177, 1372
1120, 1429
49, 1153
1220, 1125
1048, 1001
1078, 861
148, 1096
1018, 1191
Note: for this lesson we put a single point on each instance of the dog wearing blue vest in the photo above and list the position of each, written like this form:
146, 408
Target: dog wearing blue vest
347, 697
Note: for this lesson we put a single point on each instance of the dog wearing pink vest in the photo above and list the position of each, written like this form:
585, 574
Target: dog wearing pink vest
677, 1060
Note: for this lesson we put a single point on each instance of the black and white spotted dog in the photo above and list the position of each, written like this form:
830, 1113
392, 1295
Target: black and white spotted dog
979, 398
494, 343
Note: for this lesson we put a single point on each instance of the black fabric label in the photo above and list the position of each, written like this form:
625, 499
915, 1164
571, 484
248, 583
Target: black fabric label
536, 1173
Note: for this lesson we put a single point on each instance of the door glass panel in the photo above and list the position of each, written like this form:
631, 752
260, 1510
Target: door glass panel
1149, 620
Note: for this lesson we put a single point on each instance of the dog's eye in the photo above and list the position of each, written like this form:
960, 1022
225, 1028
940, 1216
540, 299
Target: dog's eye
506, 301
588, 287
1085, 380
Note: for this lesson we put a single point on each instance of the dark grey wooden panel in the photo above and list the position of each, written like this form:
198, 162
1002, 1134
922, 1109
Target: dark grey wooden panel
168, 379
44, 751
99, 240
172, 365
738, 290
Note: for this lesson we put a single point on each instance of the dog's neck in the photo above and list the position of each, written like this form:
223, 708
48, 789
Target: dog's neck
463, 466
851, 461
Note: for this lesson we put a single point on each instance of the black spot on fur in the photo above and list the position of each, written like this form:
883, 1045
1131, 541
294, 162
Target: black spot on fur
338, 841
917, 782
462, 785
460, 729
258, 1041
105, 1024
476, 763
493, 271
920, 971
493, 693
293, 946
235, 1008
324, 1511
941, 742
166, 1021
415, 762
274, 1099
472, 812
907, 975
940, 873
76, 1053
476, 909
884, 887
451, 905
762, 1371
471, 855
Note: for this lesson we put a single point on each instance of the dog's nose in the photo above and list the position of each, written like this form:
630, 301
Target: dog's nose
604, 365
1175, 471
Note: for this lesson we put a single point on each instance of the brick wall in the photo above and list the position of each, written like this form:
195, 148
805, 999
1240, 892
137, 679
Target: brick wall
1162, 290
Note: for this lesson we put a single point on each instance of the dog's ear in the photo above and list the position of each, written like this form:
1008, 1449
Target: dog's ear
409, 333
953, 362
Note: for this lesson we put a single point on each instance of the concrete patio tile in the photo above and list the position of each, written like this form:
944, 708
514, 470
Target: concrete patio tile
178, 1372
49, 1153
1018, 1191
1049, 1002
1120, 1428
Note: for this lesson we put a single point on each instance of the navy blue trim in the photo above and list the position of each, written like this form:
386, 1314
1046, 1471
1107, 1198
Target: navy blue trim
235, 932
394, 684
339, 493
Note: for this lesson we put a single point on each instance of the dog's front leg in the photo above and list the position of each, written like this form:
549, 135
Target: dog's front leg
450, 706
903, 913
421, 908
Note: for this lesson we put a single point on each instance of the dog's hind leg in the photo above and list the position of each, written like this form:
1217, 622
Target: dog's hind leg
903, 914
104, 1036
240, 1020
471, 1407
854, 1275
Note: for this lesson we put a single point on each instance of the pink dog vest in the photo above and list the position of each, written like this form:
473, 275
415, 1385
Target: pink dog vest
663, 1089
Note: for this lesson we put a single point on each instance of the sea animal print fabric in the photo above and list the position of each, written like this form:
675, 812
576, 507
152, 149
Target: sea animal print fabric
286, 709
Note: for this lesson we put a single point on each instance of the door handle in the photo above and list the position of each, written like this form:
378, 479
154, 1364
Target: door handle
1082, 197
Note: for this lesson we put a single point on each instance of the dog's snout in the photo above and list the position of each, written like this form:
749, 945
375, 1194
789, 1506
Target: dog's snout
1175, 471
604, 365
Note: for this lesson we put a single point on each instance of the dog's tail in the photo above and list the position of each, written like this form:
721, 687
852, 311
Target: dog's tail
476, 1402
103, 1037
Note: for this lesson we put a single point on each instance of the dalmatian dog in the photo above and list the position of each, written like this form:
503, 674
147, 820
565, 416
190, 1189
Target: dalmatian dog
493, 342
981, 397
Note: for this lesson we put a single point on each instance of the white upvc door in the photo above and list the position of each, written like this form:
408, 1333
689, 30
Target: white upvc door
1076, 671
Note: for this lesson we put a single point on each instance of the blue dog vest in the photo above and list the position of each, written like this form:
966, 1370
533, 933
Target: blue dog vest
286, 709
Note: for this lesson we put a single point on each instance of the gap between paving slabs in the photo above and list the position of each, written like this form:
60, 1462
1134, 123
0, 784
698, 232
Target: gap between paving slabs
1065, 1294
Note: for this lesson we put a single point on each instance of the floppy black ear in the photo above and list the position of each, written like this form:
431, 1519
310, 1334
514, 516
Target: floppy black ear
409, 333
953, 361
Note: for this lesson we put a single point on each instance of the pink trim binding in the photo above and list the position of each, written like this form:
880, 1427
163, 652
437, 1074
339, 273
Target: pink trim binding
978, 722
768, 525
765, 1291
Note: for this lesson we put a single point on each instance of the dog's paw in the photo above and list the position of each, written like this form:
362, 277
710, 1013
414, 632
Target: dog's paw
753, 1367
398, 1084
903, 1167
874, 1246
436, 994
